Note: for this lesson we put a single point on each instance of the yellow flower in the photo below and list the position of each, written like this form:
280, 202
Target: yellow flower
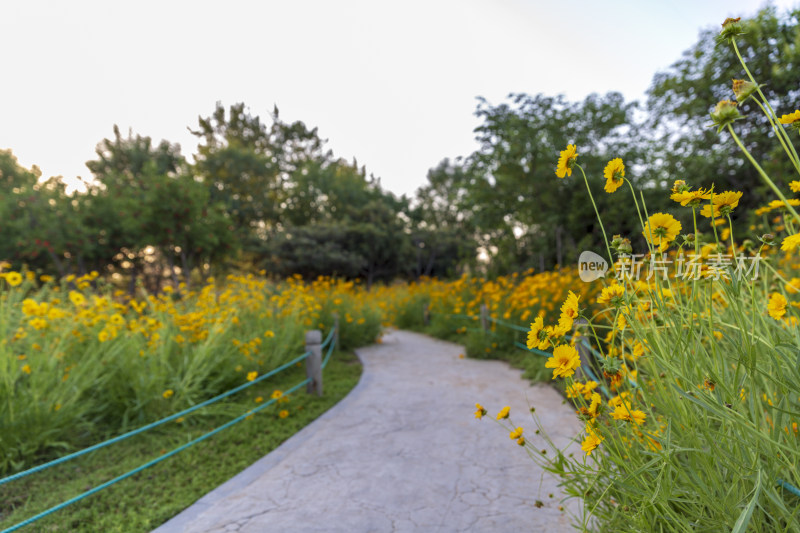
13, 278
259, 399
503, 412
693, 198
591, 442
566, 161
588, 390
661, 229
167, 394
284, 413
77, 298
777, 305
537, 336
564, 361
791, 118
624, 412
594, 405
26, 368
103, 336
790, 243
480, 412
794, 186
614, 174
723, 203
276, 394
269, 334
575, 390
569, 310
612, 295
517, 433
251, 376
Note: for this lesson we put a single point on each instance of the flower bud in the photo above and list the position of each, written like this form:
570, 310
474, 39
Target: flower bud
625, 247
743, 89
725, 113
689, 238
616, 241
768, 238
731, 28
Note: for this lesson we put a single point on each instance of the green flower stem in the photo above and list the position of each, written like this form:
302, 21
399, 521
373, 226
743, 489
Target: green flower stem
762, 173
772, 115
786, 144
635, 202
605, 237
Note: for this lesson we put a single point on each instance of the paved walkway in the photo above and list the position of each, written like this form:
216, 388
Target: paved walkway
402, 452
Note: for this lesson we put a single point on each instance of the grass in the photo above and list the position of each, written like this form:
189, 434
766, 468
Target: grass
150, 498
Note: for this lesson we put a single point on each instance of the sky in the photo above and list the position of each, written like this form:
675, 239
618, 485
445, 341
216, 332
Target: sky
393, 84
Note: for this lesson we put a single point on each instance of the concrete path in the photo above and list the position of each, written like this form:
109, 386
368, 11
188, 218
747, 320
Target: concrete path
403, 452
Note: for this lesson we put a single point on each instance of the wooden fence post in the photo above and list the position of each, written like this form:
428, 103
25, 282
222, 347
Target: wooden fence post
485, 318
314, 362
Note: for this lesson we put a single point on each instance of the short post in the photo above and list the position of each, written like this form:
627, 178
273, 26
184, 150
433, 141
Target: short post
335, 331
426, 315
314, 362
485, 318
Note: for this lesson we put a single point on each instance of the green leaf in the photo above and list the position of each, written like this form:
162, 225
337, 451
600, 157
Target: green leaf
747, 513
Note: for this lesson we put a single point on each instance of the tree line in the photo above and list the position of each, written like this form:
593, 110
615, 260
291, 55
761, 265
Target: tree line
269, 196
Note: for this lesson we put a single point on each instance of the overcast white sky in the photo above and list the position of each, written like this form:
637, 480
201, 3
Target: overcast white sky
391, 83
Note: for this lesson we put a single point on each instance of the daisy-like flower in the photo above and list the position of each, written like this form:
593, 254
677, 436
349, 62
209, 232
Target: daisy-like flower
13, 278
590, 443
251, 376
283, 414
575, 390
592, 440
564, 361
569, 310
480, 412
661, 229
612, 295
503, 413
167, 394
594, 404
790, 243
777, 305
517, 433
566, 160
693, 198
624, 412
723, 204
791, 118
794, 186
614, 174
537, 336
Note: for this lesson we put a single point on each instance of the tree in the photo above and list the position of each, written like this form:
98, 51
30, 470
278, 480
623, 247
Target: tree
526, 216
681, 98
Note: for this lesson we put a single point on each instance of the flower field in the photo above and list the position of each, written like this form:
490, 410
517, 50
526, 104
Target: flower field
80, 361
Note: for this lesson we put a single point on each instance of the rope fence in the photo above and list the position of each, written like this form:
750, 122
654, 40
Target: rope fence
330, 343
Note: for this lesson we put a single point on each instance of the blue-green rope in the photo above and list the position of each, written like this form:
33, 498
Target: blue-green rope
328, 355
152, 425
791, 488
329, 339
148, 464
